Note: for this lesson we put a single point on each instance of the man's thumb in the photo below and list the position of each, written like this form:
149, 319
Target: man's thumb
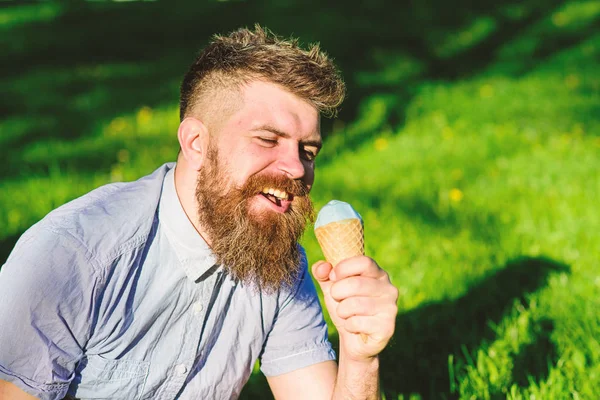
321, 270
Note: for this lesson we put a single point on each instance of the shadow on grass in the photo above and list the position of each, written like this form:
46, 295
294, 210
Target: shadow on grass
533, 361
416, 361
483, 225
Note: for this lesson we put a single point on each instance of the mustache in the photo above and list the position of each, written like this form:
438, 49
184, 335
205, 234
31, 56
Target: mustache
255, 184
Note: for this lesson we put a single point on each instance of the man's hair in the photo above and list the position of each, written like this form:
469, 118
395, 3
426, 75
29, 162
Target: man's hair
246, 55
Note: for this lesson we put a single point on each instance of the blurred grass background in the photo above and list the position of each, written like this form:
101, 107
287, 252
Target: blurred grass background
469, 143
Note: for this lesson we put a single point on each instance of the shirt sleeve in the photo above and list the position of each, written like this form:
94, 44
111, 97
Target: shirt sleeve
299, 334
46, 287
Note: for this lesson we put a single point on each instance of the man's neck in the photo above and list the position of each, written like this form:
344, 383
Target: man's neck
185, 187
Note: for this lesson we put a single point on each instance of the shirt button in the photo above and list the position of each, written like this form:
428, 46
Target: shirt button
181, 369
198, 307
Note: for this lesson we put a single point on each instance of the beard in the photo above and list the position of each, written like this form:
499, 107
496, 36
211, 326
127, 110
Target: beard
258, 248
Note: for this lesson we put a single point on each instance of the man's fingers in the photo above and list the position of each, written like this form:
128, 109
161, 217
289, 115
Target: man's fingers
358, 265
321, 270
362, 286
372, 326
363, 306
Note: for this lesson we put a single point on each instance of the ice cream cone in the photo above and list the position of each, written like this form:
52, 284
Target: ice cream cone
340, 240
339, 231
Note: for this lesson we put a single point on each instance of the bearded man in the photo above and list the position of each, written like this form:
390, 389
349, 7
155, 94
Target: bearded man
171, 287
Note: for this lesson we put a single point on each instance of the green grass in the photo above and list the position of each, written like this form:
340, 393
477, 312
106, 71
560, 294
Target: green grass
473, 160
482, 207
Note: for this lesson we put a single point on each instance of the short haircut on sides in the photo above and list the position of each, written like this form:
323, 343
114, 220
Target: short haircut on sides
246, 55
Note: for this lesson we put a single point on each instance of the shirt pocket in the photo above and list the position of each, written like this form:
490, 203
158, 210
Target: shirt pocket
100, 378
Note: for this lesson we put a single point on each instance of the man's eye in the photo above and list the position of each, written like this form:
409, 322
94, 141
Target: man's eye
309, 155
268, 141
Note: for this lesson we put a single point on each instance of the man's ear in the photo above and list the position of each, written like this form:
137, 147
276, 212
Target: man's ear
193, 139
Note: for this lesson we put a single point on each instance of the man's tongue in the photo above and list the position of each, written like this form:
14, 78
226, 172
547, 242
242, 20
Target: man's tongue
277, 203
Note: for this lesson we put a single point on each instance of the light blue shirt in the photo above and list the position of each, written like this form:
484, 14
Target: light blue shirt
116, 296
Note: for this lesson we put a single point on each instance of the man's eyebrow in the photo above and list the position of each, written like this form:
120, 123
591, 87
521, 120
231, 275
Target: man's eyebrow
272, 129
316, 143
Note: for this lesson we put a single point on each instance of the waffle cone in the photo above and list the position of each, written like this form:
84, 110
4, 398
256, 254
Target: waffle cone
340, 240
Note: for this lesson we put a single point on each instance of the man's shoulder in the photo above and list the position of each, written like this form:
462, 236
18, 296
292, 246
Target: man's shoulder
112, 216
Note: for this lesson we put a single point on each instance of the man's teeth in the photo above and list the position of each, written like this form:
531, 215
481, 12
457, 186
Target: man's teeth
280, 194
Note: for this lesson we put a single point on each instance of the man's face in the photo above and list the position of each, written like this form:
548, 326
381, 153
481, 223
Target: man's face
252, 191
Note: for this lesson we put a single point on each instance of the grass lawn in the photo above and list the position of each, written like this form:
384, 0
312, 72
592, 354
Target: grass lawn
469, 145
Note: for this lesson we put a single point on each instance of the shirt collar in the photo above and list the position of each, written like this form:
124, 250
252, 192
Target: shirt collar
193, 252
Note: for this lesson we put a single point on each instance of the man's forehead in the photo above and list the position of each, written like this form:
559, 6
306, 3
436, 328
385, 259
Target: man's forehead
269, 107
285, 130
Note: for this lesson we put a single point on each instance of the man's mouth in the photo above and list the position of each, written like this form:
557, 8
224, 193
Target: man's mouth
276, 199
277, 196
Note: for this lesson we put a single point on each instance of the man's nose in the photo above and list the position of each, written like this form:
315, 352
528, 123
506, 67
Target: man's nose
291, 164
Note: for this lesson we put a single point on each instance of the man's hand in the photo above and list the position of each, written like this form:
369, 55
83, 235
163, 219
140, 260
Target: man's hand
361, 300
10, 391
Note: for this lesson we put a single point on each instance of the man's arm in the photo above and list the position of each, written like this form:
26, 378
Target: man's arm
8, 391
40, 314
314, 382
325, 381
362, 304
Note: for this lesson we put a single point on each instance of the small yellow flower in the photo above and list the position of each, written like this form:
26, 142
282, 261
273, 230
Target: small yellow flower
116, 126
447, 133
486, 91
144, 115
456, 195
14, 218
381, 144
560, 19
